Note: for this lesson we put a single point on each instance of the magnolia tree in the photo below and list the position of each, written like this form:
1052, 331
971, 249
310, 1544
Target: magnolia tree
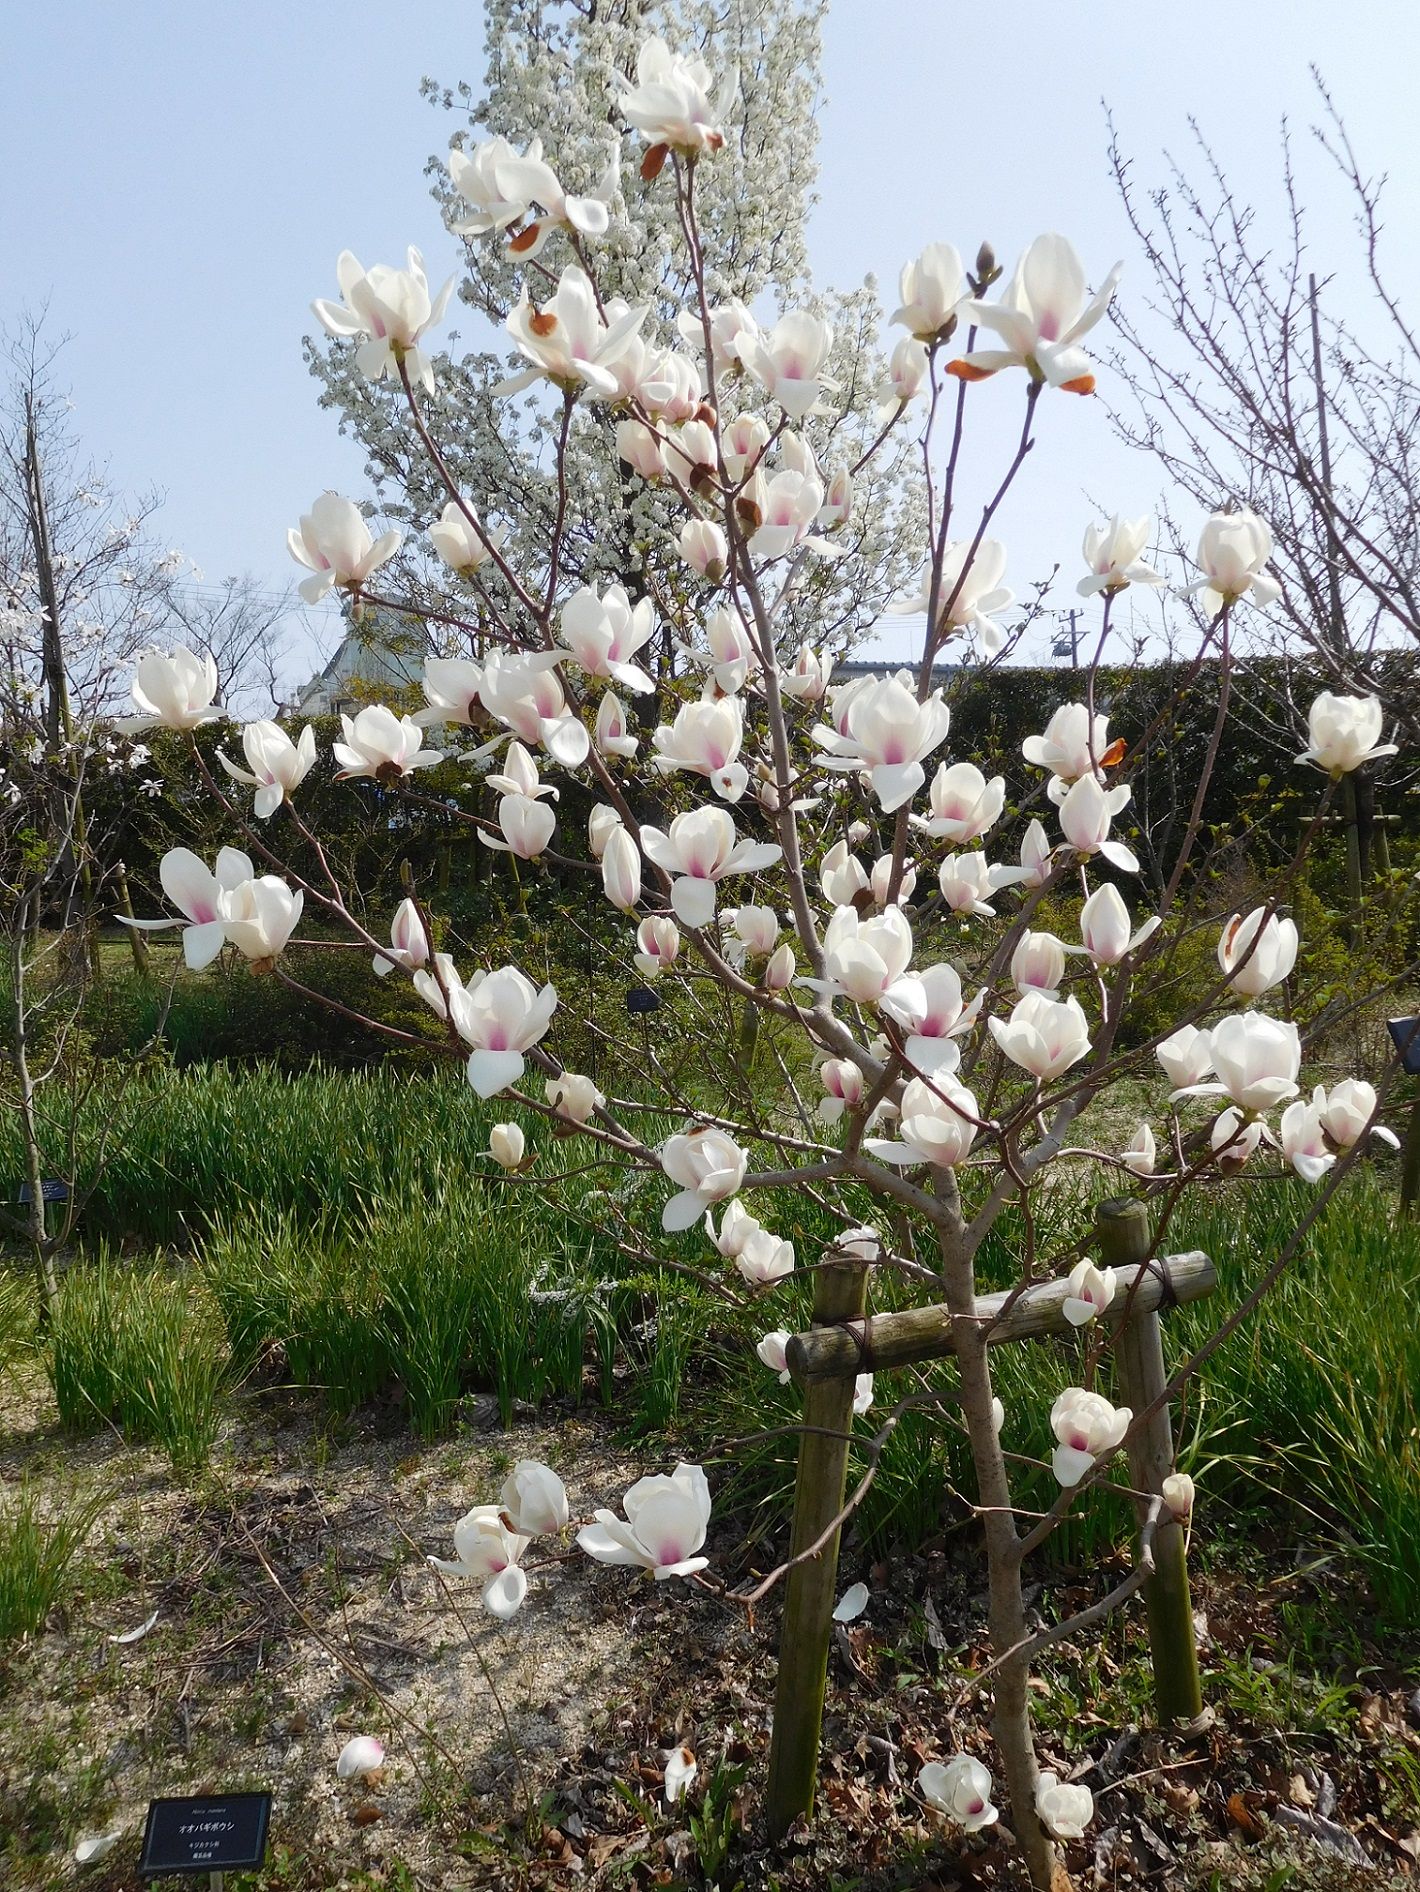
811, 857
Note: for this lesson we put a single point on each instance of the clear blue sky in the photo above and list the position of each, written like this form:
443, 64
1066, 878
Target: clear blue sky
180, 178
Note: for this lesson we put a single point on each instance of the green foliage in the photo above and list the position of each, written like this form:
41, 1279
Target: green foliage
38, 1547
136, 1350
436, 1298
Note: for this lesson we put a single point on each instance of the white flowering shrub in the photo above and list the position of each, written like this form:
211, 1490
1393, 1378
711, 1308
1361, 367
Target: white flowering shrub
808, 858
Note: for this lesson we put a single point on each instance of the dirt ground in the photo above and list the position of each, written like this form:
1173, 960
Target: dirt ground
295, 1608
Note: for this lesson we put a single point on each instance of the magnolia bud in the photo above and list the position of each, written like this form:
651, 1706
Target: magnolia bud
506, 1144
779, 973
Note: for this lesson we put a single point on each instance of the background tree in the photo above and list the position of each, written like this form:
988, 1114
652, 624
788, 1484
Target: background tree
1260, 370
554, 67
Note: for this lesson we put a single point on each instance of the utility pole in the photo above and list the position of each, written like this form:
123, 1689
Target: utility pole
1071, 637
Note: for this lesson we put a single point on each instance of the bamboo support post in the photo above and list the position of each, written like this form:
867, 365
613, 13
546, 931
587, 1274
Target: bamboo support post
137, 945
1124, 1239
1410, 1162
840, 1294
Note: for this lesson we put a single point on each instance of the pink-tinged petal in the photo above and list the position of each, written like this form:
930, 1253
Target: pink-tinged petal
610, 1541
693, 901
492, 1071
504, 1591
201, 944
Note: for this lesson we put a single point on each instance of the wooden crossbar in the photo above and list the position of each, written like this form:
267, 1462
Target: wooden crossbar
883, 1341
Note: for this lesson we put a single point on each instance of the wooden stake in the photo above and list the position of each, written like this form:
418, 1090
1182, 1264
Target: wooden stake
1410, 1163
137, 944
1124, 1237
840, 1293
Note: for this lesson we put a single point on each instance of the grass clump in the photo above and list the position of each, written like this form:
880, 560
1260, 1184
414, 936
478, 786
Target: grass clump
138, 1351
38, 1548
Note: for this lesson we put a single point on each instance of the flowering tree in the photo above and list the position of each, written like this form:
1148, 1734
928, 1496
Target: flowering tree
805, 857
556, 71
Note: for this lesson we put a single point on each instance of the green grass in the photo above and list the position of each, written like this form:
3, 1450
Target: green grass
38, 1548
136, 1350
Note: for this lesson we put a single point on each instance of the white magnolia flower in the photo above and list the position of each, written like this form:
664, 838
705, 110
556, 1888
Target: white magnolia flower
888, 735
488, 1551
1091, 1290
522, 690
526, 826
666, 1522
705, 740
1256, 1059
880, 881
789, 360
1043, 1036
1235, 1137
621, 870
1041, 317
1233, 551
613, 735
933, 289
700, 849
1140, 1154
937, 1121
771, 1350
673, 100
1074, 744
172, 692
967, 882
569, 341
603, 635
491, 190
391, 310
961, 1789
658, 945
1104, 927
868, 960
574, 1096
1187, 1057
277, 766
501, 1015
708, 1165
333, 543
1066, 1809
807, 679
1086, 812
946, 1017
451, 686
533, 1499
1258, 952
842, 875
260, 915
1304, 1143
704, 548
965, 806
1343, 732
507, 1145
381, 745
461, 541
533, 180
1346, 1109
1087, 1427
202, 897
1178, 1494
1112, 554
969, 593
1038, 965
